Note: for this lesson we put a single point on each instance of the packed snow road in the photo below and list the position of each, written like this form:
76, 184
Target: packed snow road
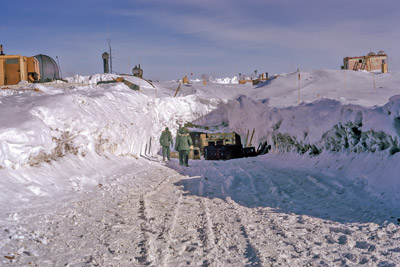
242, 212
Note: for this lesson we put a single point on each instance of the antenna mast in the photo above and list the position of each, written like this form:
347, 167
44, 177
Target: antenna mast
59, 66
109, 47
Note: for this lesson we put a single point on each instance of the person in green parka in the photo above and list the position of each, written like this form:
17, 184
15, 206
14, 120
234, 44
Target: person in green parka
165, 142
183, 144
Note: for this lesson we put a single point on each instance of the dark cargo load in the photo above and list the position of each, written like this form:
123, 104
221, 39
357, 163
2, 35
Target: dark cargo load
249, 152
223, 152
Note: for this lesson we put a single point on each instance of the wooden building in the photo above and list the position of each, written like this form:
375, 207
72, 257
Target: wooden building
370, 62
16, 68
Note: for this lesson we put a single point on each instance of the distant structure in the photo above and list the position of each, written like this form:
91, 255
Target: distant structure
49, 69
106, 65
370, 62
262, 77
16, 68
137, 72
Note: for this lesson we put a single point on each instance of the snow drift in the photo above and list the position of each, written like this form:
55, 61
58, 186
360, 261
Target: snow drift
85, 121
361, 142
324, 125
88, 120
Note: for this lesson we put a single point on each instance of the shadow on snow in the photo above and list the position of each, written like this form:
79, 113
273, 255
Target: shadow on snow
251, 183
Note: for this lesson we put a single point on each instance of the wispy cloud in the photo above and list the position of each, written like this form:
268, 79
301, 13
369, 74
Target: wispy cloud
253, 34
230, 35
230, 26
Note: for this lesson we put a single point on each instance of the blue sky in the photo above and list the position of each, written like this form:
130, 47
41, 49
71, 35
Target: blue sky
216, 37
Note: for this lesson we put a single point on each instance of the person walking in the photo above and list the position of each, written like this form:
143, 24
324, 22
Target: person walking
165, 142
183, 144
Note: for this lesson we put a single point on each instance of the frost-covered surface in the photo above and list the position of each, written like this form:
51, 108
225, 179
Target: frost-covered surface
236, 213
85, 186
84, 123
87, 120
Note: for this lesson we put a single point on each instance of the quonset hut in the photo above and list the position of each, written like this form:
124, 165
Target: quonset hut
49, 70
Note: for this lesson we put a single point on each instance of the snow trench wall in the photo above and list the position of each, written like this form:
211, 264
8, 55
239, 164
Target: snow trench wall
324, 125
88, 120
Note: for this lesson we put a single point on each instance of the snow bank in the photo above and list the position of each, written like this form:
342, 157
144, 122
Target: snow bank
327, 130
346, 86
81, 121
94, 79
321, 125
88, 120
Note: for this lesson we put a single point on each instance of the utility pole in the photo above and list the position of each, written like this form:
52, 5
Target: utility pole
373, 78
298, 84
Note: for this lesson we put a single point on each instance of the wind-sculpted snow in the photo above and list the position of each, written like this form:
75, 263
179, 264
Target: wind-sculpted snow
86, 121
347, 137
328, 131
324, 125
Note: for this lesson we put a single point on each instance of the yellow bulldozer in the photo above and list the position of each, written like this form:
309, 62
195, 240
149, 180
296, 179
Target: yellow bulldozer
16, 68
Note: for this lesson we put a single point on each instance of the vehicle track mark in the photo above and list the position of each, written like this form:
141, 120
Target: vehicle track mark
143, 243
251, 253
168, 232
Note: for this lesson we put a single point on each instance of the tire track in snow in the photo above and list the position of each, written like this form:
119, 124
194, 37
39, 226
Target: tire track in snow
254, 192
206, 233
253, 248
204, 225
302, 192
250, 253
143, 244
158, 226
168, 233
171, 236
217, 240
105, 230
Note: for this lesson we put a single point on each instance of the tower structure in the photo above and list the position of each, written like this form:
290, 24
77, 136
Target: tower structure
106, 57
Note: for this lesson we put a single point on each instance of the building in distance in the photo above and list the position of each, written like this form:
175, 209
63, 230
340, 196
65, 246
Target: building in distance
137, 72
371, 62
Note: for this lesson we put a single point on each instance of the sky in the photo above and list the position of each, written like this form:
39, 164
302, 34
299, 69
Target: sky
220, 38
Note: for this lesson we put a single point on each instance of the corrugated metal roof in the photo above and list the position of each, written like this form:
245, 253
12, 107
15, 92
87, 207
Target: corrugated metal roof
49, 70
